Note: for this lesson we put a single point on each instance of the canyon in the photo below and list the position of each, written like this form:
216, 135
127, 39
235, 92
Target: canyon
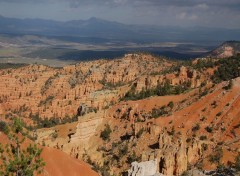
138, 115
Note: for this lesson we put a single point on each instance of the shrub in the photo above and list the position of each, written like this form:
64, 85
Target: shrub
185, 173
17, 125
172, 132
237, 163
139, 133
171, 104
105, 134
216, 157
209, 129
188, 140
203, 93
228, 69
133, 157
196, 127
3, 127
203, 118
160, 90
223, 129
47, 123
203, 138
159, 112
123, 150
54, 135
214, 104
229, 86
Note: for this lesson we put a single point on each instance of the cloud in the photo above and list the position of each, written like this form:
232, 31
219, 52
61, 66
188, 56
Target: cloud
202, 6
158, 12
186, 16
193, 17
182, 15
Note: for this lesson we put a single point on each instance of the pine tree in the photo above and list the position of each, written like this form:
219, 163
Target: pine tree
18, 159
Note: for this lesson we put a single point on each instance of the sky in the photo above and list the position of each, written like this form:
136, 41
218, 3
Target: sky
185, 13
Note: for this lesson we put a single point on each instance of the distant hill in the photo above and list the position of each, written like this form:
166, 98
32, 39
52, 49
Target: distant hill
227, 49
103, 30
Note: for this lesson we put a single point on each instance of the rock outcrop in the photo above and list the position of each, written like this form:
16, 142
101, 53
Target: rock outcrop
227, 49
86, 127
147, 168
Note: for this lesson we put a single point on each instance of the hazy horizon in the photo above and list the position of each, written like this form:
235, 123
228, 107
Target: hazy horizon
184, 13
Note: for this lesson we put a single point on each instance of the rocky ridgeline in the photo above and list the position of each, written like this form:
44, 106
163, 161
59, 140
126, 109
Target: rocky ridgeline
184, 75
227, 49
58, 92
50, 92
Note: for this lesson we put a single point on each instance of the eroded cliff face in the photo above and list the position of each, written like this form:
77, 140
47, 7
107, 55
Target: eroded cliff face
43, 92
170, 133
87, 127
48, 92
173, 154
75, 139
192, 134
172, 141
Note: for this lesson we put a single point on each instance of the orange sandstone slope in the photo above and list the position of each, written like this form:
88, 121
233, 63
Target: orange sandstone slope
61, 164
45, 92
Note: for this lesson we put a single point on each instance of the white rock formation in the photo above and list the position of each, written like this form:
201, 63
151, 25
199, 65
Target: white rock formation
86, 127
147, 168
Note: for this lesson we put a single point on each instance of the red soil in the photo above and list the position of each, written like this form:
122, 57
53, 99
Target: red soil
59, 163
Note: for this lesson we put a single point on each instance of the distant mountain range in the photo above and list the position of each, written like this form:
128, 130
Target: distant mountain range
99, 30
